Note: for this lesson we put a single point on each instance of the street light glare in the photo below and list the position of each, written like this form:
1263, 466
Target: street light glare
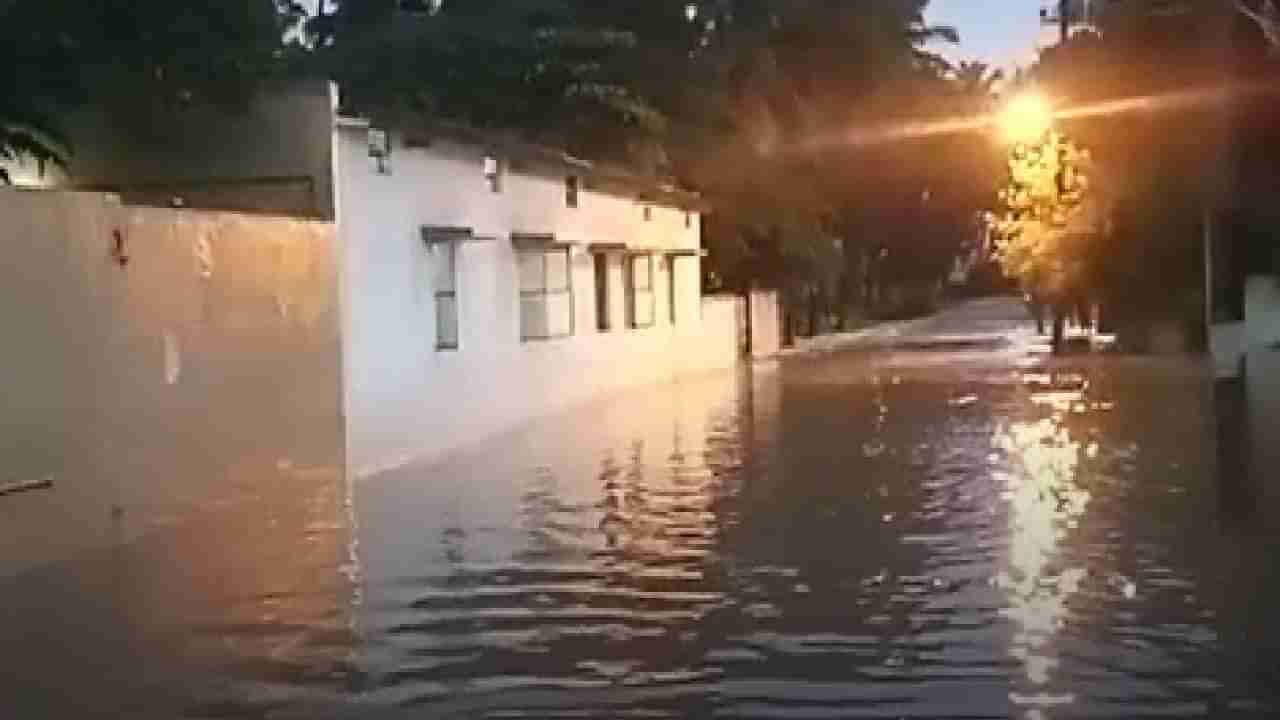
1026, 118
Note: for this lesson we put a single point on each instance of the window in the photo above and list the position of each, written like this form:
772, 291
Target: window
442, 244
546, 293
571, 191
671, 288
446, 291
648, 212
379, 141
640, 291
602, 292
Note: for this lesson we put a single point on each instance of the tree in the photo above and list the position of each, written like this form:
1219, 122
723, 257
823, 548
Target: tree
1181, 136
977, 78
552, 71
794, 196
25, 133
1043, 235
130, 57
1267, 18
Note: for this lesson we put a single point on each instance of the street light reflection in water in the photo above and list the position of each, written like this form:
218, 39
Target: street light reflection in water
1045, 503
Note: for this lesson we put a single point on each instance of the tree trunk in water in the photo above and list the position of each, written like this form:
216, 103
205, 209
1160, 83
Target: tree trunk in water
813, 312
1059, 328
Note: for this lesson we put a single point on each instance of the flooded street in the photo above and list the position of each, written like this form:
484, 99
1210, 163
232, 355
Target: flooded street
961, 531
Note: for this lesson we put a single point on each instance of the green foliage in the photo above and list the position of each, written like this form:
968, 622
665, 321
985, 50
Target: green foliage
550, 69
130, 56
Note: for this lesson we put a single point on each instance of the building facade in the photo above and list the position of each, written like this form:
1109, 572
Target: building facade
487, 283
484, 281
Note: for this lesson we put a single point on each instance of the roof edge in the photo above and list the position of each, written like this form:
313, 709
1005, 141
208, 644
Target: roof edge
536, 159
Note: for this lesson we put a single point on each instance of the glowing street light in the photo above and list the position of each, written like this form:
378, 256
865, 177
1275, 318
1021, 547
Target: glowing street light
1025, 118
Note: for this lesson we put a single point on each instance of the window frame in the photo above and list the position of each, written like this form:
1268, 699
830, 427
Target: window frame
604, 308
545, 291
671, 289
451, 248
634, 292
445, 240
572, 191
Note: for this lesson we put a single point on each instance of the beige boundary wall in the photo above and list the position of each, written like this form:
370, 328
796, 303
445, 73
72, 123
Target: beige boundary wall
157, 363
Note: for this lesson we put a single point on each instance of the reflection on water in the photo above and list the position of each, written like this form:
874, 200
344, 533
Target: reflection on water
1045, 504
897, 536
834, 537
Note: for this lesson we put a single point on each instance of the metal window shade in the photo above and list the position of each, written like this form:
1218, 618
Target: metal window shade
437, 234
602, 248
536, 240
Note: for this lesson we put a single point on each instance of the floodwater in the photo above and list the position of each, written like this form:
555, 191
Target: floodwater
953, 533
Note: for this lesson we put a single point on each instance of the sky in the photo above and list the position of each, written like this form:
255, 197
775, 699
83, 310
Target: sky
1000, 32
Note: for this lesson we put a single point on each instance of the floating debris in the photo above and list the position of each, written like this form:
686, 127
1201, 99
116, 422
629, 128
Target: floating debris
1126, 587
12, 488
762, 610
963, 400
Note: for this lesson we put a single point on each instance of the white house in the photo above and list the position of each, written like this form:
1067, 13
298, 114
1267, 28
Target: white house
487, 282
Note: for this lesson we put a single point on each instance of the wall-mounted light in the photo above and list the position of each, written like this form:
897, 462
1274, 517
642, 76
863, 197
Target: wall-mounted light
492, 168
380, 150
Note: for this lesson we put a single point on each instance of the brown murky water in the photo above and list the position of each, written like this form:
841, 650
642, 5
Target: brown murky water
912, 535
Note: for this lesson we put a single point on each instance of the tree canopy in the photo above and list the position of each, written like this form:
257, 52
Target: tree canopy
749, 101
129, 56
1163, 94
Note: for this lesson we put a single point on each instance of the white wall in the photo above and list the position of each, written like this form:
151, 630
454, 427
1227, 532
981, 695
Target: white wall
1230, 342
404, 398
1262, 311
766, 323
1262, 378
1227, 347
